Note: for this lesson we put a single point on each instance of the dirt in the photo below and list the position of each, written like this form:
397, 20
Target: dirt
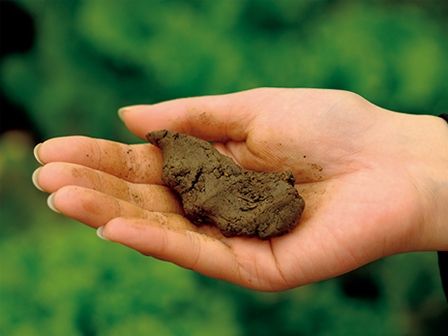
214, 190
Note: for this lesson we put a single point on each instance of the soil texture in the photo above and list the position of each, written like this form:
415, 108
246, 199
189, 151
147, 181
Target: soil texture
215, 190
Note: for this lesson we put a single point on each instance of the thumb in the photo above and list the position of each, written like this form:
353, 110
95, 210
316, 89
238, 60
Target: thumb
214, 118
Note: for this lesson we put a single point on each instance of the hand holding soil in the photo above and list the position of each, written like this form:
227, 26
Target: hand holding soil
374, 182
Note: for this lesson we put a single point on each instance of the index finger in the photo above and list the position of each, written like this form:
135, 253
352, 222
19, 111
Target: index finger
215, 118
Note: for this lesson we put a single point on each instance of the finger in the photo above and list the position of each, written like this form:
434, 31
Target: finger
92, 207
214, 118
135, 163
171, 239
56, 175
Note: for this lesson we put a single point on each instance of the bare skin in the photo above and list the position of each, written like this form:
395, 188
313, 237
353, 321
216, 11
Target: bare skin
375, 183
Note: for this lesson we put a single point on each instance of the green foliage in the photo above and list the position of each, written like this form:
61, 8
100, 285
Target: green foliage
92, 57
58, 278
66, 282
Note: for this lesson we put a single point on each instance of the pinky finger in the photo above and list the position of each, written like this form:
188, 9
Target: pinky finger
172, 239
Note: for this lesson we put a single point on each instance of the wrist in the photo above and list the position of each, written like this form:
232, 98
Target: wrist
441, 183
427, 145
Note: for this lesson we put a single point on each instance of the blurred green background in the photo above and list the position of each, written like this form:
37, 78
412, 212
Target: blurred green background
88, 58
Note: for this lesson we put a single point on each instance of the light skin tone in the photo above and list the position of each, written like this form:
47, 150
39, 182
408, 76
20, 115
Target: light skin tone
375, 183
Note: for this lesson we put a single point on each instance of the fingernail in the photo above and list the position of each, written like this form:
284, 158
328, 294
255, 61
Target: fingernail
34, 179
50, 203
99, 233
121, 112
131, 108
36, 153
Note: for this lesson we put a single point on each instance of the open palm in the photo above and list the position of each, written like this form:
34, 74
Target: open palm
360, 202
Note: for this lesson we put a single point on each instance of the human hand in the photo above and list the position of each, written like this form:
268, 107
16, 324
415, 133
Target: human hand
374, 183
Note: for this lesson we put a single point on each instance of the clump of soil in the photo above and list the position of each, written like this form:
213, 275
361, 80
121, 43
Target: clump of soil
214, 190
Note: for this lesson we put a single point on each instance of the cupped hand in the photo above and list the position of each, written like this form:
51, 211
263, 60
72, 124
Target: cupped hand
358, 167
